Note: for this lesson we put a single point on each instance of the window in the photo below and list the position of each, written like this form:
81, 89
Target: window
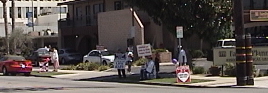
19, 12
27, 10
1, 12
94, 53
35, 12
88, 21
78, 13
117, 5
10, 12
96, 9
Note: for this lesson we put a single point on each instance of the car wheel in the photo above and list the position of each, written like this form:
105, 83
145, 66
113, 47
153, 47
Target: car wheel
104, 63
4, 70
86, 61
27, 74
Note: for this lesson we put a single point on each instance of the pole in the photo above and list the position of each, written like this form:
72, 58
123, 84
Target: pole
240, 43
249, 61
33, 16
6, 26
13, 14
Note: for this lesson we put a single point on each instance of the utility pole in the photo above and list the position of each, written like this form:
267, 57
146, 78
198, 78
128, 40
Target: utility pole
240, 43
13, 15
33, 15
249, 61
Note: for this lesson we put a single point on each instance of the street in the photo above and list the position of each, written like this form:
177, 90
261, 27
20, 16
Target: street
18, 84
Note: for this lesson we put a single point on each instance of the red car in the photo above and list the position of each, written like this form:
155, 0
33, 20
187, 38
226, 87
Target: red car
13, 64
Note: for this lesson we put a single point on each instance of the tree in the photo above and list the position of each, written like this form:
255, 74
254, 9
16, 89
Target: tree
20, 41
209, 19
6, 26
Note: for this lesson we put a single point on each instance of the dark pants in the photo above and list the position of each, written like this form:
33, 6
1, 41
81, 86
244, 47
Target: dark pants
129, 63
120, 72
143, 74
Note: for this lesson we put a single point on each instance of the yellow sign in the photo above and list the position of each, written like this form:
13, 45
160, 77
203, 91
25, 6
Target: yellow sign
223, 55
258, 15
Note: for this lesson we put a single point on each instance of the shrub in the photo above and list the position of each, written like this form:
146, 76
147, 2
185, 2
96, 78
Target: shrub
197, 53
140, 62
102, 68
214, 70
92, 66
71, 67
159, 50
230, 69
198, 70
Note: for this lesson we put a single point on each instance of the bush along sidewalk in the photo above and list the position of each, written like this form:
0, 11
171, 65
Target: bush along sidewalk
87, 66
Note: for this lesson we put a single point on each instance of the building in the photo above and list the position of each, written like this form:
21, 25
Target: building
105, 22
39, 7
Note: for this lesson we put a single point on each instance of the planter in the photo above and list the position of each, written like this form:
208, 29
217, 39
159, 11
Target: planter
215, 71
164, 57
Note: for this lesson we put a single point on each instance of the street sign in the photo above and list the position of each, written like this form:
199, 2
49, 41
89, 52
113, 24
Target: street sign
179, 30
183, 74
258, 15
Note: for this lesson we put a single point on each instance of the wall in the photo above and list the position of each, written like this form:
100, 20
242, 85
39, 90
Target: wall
114, 29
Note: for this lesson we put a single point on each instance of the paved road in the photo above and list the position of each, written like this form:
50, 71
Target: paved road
20, 84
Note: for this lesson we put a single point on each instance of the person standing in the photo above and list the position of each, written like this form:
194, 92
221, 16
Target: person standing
121, 70
182, 57
129, 59
55, 59
157, 62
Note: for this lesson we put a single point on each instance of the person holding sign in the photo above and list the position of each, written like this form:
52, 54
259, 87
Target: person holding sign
120, 61
182, 57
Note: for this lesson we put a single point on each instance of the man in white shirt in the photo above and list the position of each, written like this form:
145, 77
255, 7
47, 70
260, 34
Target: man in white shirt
182, 59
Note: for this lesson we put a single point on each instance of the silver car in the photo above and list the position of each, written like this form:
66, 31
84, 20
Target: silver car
69, 56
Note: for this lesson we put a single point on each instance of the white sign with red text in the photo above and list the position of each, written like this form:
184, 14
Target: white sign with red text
144, 50
183, 74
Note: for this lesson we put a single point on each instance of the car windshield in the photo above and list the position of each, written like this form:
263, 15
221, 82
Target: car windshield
105, 53
42, 51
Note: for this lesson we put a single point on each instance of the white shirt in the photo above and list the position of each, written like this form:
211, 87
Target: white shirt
181, 55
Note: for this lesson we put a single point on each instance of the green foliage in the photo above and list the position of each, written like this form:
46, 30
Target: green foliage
197, 53
209, 19
71, 67
21, 41
140, 62
198, 70
102, 68
89, 66
230, 69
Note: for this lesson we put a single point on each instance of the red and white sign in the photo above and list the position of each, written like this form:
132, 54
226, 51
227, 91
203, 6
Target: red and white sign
99, 47
144, 50
183, 74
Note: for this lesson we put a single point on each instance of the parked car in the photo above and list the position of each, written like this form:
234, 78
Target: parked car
38, 55
67, 56
13, 64
100, 56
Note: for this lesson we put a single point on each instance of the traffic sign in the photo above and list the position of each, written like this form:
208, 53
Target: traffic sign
179, 30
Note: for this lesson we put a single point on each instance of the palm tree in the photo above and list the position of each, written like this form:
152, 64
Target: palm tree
6, 26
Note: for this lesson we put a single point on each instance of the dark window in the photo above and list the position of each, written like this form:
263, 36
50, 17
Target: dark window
88, 21
27, 10
19, 12
117, 5
35, 12
10, 12
97, 8
255, 4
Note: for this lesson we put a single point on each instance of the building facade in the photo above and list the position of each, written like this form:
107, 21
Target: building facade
105, 22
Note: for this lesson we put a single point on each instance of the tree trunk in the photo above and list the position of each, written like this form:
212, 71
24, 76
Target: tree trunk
13, 14
6, 26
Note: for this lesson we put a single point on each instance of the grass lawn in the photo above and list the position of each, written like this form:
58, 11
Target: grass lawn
136, 79
173, 80
48, 74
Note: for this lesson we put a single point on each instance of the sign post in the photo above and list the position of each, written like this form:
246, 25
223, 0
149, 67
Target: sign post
179, 30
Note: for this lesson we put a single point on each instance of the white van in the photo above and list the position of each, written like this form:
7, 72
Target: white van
226, 43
